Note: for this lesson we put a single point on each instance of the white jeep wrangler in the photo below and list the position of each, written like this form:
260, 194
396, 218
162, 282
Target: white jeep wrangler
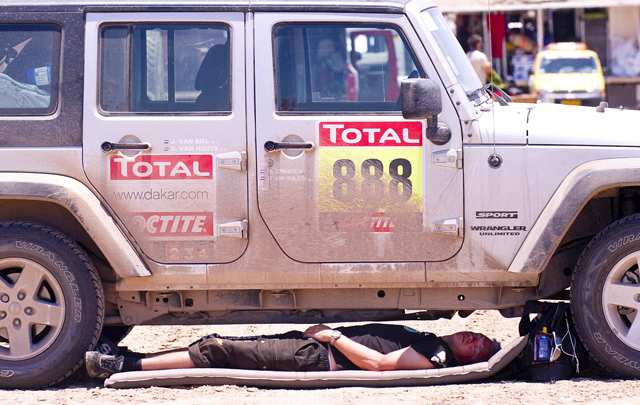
253, 161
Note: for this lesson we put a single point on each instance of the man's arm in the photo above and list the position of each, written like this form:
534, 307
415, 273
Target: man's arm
487, 64
369, 359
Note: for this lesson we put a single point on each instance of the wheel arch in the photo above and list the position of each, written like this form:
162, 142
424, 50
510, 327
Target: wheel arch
60, 218
582, 206
71, 207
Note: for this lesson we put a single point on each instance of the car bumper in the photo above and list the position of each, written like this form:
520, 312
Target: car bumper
578, 98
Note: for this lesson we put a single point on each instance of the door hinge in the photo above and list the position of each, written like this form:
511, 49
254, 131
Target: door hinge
447, 158
233, 161
235, 229
450, 227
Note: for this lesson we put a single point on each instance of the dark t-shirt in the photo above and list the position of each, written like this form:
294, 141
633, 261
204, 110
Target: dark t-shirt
389, 338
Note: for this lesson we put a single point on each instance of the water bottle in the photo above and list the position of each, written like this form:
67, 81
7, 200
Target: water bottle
542, 346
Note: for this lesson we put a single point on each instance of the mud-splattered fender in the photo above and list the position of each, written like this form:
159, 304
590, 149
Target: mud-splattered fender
85, 206
584, 182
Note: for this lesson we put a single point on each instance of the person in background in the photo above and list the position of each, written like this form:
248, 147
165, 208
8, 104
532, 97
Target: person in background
478, 59
334, 78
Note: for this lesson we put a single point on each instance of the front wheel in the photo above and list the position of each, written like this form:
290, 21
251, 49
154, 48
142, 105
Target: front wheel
51, 305
605, 297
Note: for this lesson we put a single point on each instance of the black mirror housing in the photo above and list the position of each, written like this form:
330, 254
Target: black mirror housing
420, 99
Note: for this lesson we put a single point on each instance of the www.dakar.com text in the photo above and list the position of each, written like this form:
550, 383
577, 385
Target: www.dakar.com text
162, 194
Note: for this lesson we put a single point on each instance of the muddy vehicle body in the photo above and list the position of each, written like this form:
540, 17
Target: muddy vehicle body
190, 162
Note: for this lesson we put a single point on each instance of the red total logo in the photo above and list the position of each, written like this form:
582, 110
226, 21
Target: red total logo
174, 223
401, 133
162, 167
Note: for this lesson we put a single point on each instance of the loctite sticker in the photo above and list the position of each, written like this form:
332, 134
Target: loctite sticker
377, 222
174, 223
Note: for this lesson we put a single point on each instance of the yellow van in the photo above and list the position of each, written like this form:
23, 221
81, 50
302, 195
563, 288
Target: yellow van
567, 73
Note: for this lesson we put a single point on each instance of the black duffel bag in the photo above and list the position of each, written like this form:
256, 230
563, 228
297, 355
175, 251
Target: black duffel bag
553, 350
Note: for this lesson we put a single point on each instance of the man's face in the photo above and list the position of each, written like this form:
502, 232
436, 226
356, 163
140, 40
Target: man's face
469, 347
326, 48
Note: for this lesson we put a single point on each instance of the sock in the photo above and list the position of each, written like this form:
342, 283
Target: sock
132, 363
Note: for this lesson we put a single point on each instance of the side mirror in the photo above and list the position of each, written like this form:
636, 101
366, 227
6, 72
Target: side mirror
421, 100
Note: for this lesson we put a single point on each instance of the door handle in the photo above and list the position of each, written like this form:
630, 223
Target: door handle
112, 147
272, 146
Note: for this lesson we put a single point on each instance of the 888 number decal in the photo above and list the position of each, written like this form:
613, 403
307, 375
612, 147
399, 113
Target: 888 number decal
372, 187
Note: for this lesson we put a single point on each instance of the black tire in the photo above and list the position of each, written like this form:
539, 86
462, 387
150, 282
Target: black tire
48, 283
605, 292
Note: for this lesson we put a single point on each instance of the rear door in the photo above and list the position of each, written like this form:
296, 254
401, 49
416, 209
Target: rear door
164, 130
342, 176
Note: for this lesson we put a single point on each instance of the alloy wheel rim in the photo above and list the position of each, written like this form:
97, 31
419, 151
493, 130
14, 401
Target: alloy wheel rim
32, 309
621, 300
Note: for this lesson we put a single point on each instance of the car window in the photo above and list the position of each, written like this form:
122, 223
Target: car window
29, 66
459, 62
165, 68
340, 67
584, 64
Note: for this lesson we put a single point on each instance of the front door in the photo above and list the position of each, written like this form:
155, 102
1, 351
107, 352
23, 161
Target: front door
165, 130
342, 177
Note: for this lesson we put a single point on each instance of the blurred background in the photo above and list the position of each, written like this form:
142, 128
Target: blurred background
515, 31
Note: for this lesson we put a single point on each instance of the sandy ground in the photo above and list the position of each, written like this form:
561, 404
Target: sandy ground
592, 388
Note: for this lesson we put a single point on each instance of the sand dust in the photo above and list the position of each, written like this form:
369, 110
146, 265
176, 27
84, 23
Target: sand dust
592, 388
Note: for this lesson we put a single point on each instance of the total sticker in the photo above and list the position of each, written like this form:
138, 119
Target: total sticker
372, 166
161, 167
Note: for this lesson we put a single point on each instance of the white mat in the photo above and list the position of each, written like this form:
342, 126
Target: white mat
319, 379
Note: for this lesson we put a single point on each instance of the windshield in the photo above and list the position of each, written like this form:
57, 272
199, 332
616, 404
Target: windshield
451, 49
585, 64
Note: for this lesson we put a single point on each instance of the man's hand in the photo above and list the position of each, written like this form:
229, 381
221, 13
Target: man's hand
369, 359
321, 333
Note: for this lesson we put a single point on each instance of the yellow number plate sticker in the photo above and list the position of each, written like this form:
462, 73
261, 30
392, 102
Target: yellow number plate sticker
370, 167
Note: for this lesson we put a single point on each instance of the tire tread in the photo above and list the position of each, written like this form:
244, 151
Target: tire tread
69, 244
578, 270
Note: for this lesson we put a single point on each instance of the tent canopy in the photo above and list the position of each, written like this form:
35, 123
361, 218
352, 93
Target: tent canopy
468, 6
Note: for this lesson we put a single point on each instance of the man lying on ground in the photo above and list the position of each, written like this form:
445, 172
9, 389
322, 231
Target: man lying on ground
374, 347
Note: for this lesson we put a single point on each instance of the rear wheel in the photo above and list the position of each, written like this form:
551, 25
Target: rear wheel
605, 297
51, 305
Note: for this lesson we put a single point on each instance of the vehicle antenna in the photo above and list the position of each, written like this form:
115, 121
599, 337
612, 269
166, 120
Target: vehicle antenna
493, 114
494, 159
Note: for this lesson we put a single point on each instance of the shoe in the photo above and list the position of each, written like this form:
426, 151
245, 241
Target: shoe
106, 346
102, 365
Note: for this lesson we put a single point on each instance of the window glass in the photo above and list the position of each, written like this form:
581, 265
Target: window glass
584, 64
157, 67
29, 66
340, 67
450, 47
153, 68
115, 72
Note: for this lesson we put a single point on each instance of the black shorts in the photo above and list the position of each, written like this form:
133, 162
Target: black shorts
285, 352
